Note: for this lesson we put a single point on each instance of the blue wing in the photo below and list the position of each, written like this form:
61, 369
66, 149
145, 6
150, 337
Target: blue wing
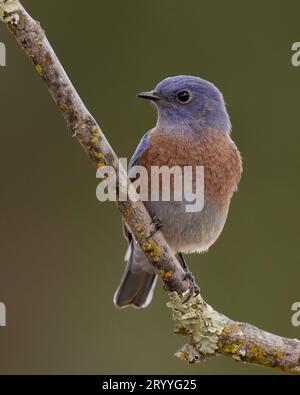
143, 145
135, 158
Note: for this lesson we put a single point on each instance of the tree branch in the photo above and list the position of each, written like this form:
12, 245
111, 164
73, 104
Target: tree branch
210, 333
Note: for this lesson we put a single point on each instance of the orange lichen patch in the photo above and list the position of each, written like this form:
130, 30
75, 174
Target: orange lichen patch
95, 135
94, 140
165, 275
152, 249
98, 155
100, 164
168, 275
127, 212
277, 354
95, 131
256, 355
64, 106
140, 229
38, 68
226, 331
228, 347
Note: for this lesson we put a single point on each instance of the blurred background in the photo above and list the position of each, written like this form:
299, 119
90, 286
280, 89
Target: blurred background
62, 250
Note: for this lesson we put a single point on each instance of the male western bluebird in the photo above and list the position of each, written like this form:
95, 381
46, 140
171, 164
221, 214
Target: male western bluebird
193, 129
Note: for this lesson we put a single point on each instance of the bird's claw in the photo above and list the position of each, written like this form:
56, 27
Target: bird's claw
156, 222
157, 225
194, 288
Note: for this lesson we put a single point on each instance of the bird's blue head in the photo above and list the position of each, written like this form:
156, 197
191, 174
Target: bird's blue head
189, 102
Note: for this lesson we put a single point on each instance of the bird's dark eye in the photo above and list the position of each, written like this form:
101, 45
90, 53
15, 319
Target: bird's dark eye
184, 97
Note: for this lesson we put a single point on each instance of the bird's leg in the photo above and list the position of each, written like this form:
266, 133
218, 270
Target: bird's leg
194, 289
157, 225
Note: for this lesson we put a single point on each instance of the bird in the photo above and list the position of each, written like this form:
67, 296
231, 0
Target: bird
193, 129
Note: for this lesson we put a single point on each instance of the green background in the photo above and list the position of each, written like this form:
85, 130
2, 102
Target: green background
62, 250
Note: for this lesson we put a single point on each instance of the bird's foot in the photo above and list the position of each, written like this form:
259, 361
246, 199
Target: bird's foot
194, 288
157, 225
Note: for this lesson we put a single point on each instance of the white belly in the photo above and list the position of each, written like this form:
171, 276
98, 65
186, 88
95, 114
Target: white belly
189, 232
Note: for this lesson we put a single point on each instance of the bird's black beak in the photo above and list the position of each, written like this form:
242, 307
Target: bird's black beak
152, 95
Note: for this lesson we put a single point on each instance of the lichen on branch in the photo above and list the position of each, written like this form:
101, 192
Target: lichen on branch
200, 322
211, 333
8, 11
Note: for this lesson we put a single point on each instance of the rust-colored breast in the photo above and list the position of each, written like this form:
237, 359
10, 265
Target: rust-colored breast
213, 150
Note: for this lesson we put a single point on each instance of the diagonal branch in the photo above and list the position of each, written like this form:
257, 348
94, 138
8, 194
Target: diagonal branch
210, 333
